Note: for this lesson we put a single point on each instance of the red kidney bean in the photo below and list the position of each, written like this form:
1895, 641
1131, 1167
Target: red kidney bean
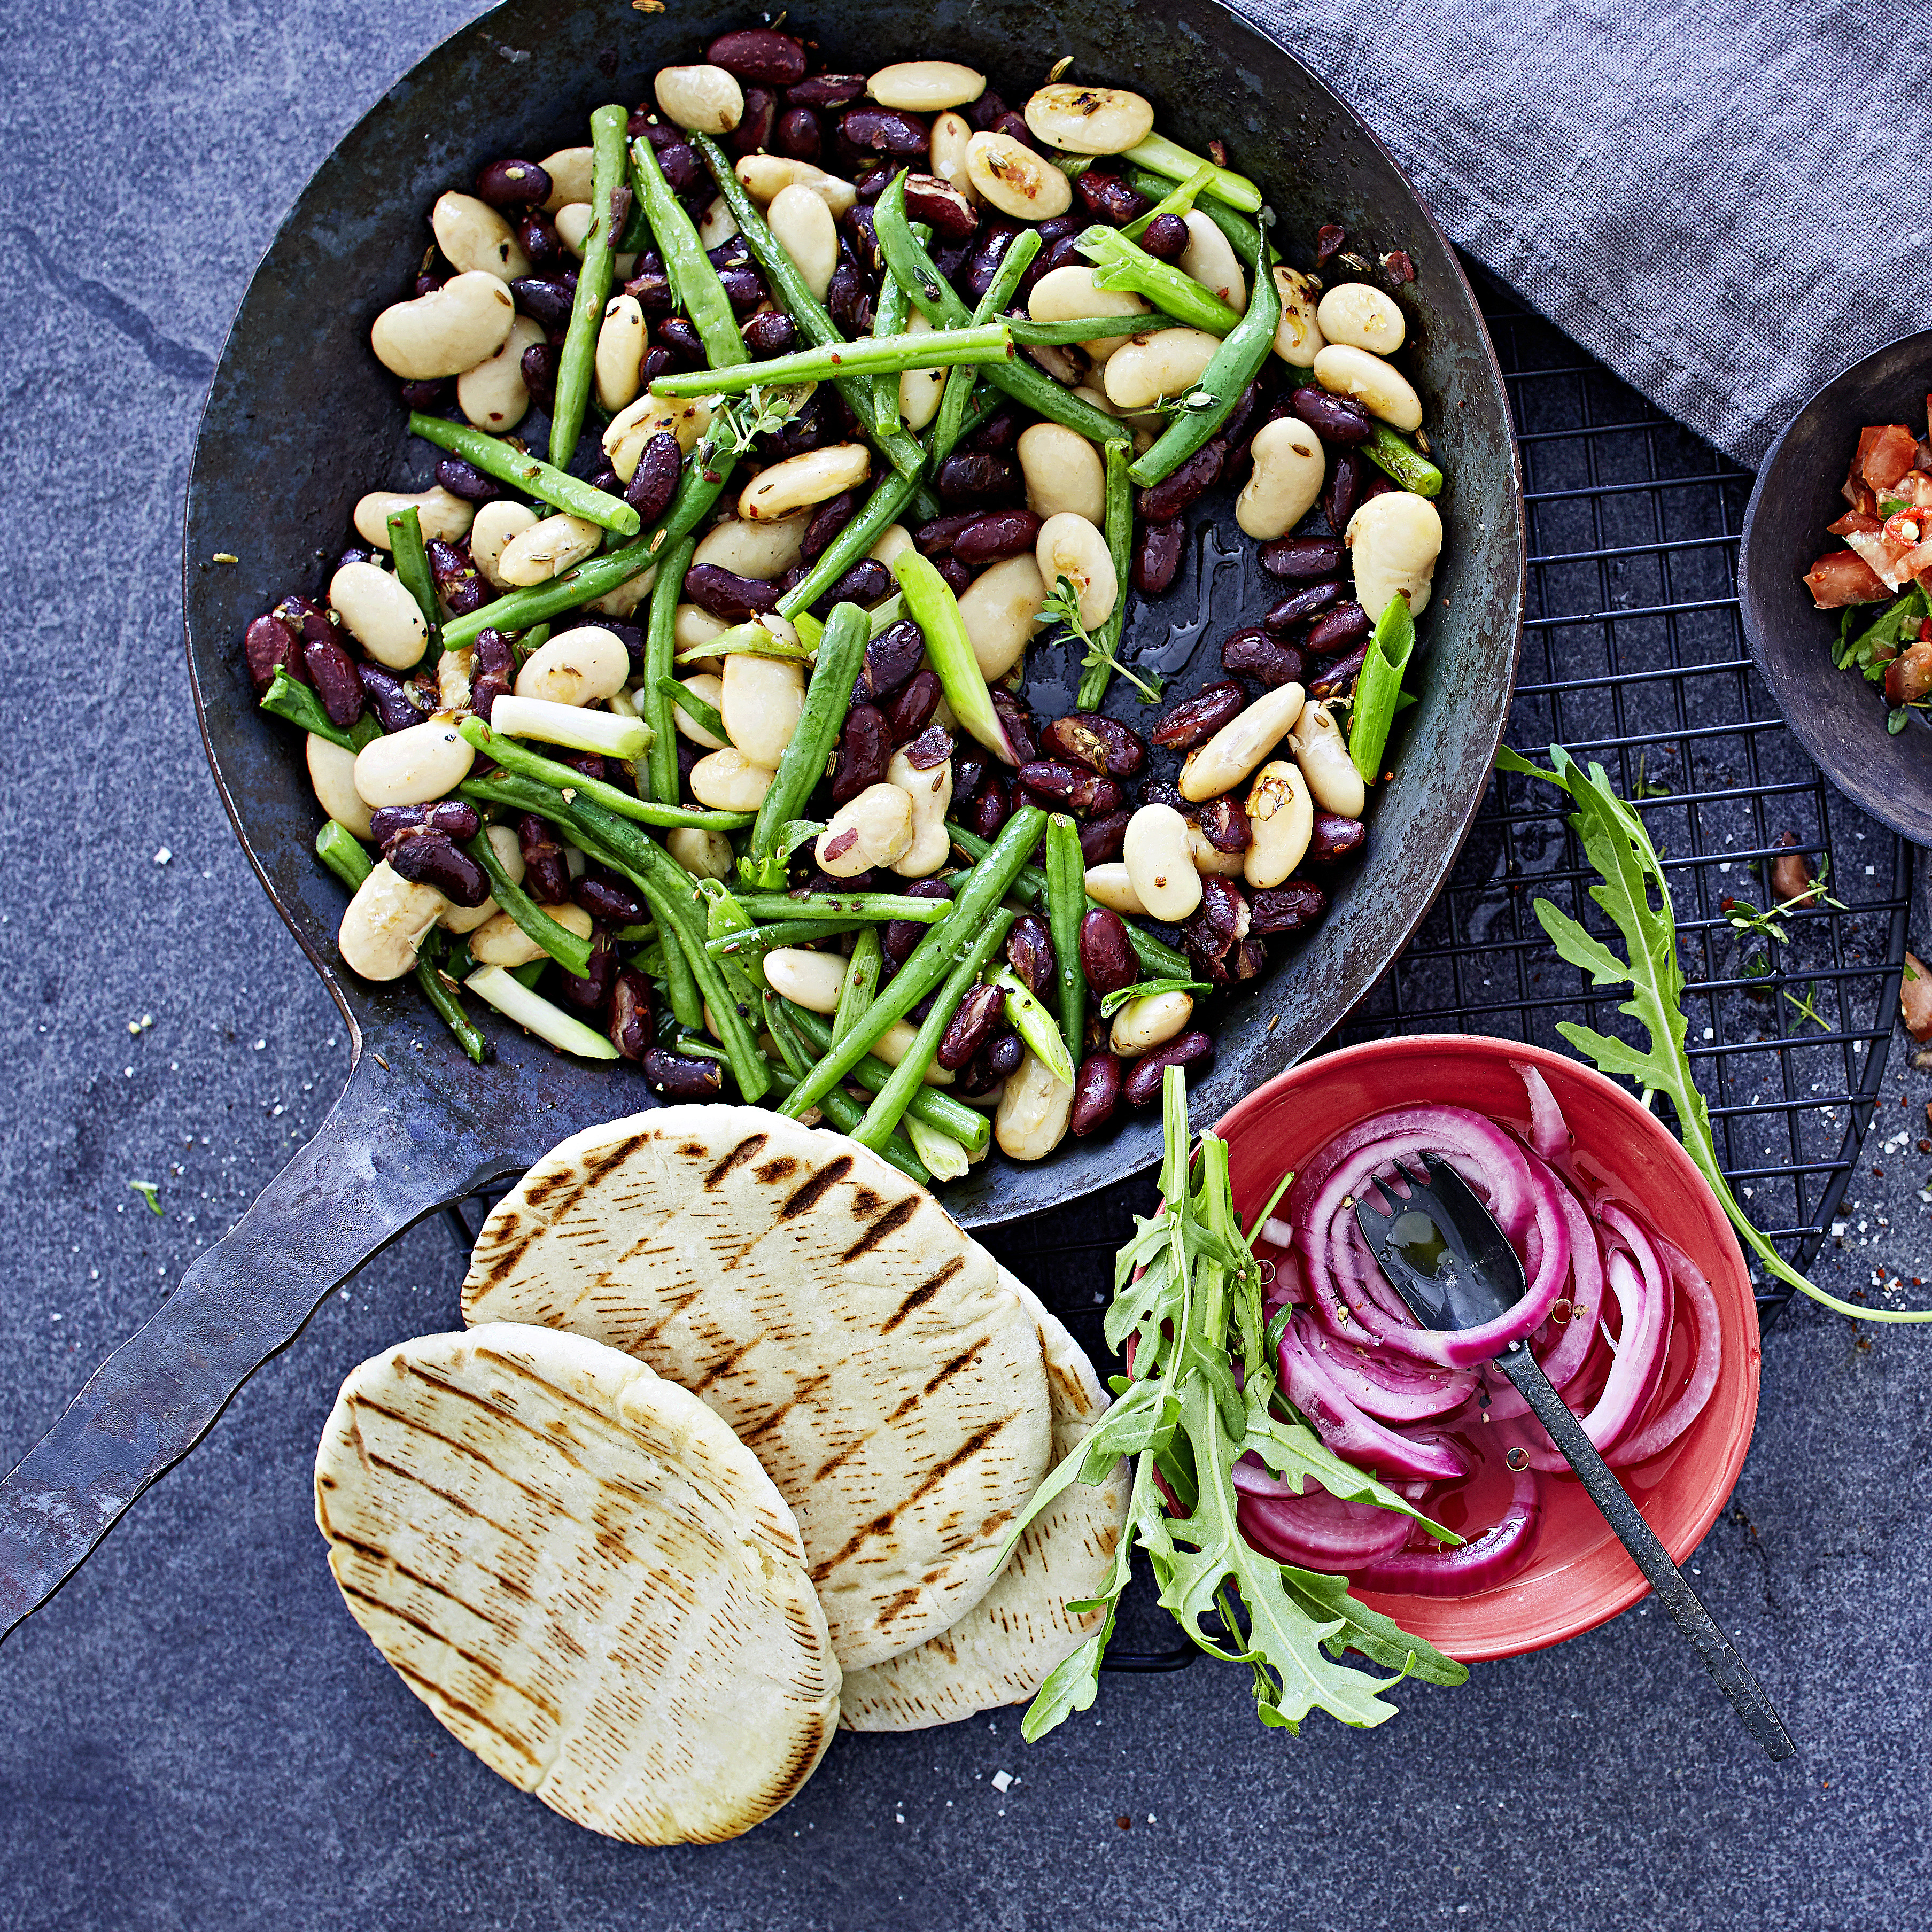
935, 539
354, 554
874, 182
545, 298
1064, 254
827, 90
975, 1079
726, 595
887, 130
1335, 419
1292, 908
1004, 1052
953, 574
607, 480
1301, 605
754, 131
864, 750
1157, 551
428, 281
1213, 932
770, 332
891, 658
676, 334
1342, 494
989, 809
1238, 431
492, 671
1101, 744
1328, 240
430, 859
1162, 791
1018, 721
604, 894
454, 817
1015, 128
951, 217
847, 298
995, 238
1335, 838
1162, 502
977, 475
1337, 677
1108, 198
1102, 840
464, 480
1096, 1093
546, 876
987, 112
816, 881
1302, 559
930, 749
631, 1012
333, 672
744, 286
1337, 630
650, 286
898, 937
1029, 953
1142, 1083
1165, 238
589, 762
424, 395
679, 1078
588, 994
538, 368
1224, 824
1253, 653
799, 134
676, 157
1000, 430
1005, 533
511, 183
865, 582
660, 465
970, 1027
458, 582
1106, 953
909, 709
827, 520
271, 645
538, 237
969, 774
1195, 720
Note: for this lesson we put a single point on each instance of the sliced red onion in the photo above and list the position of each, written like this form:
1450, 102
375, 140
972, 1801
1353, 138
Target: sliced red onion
1314, 1390
1496, 1165
1702, 1306
1586, 1295
1391, 1388
1549, 1134
1276, 1233
1319, 1531
1481, 1564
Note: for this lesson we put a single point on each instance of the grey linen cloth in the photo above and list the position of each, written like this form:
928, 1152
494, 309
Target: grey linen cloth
1722, 200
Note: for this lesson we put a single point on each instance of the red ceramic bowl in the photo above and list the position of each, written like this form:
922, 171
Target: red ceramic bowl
1579, 1575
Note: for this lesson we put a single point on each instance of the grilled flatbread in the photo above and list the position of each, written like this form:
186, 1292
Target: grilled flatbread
859, 1343
584, 1575
1000, 1650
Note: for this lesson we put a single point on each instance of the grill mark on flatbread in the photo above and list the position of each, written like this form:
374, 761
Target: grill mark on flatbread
722, 1367
882, 1522
455, 1502
389, 1560
924, 1293
890, 1222
851, 1449
483, 1664
746, 1150
439, 1694
780, 1167
814, 1190
585, 1174
951, 1369
892, 1607
804, 1392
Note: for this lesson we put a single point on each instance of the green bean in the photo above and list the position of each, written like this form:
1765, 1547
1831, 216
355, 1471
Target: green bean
1159, 156
875, 356
680, 989
1233, 367
1094, 680
576, 359
933, 1104
413, 573
1065, 907
693, 279
342, 852
1087, 327
896, 1096
439, 990
950, 425
843, 905
841, 656
986, 885
1029, 887
881, 511
1177, 201
705, 717
1397, 457
526, 764
761, 939
739, 1042
530, 474
286, 698
571, 952
1243, 236
888, 320
660, 651
837, 1105
1122, 264
705, 475
935, 299
861, 983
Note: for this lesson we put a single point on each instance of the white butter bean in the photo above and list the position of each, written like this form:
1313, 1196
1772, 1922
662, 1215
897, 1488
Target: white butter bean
1289, 469
895, 540
704, 98
1069, 294
1089, 120
808, 979
449, 330
1298, 336
510, 856
895, 1042
709, 686
1034, 1109
1110, 884
931, 791
763, 551
382, 616
691, 626
1380, 388
584, 665
501, 941
763, 699
452, 679
385, 922
704, 855
1210, 859
1210, 258
920, 389
1394, 541
548, 549
1240, 744
413, 766
1281, 814
766, 176
572, 173
1322, 753
332, 771
1155, 854
1063, 472
1145, 368
1016, 180
493, 394
717, 224
920, 87
574, 224
1362, 315
1070, 547
951, 133
1150, 1021
816, 477
875, 829
630, 429
475, 238
496, 524
803, 226
440, 514
728, 781
621, 342
1000, 609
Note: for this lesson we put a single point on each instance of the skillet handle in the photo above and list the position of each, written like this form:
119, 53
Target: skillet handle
348, 1192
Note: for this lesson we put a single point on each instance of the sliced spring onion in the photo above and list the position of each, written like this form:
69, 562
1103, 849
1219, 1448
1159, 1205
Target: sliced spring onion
1033, 1023
517, 1002
1167, 157
942, 1154
571, 725
1378, 687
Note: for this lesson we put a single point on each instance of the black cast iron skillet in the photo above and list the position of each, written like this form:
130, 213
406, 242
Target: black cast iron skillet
301, 420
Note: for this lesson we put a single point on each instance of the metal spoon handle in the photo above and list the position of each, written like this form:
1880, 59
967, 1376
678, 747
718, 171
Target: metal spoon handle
1673, 1589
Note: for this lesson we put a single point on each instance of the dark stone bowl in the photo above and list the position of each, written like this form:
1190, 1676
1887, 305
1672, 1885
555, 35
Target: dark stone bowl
1839, 718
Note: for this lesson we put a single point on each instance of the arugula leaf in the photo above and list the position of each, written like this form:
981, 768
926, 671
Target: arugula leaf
1630, 872
1380, 1638
1874, 647
1292, 1449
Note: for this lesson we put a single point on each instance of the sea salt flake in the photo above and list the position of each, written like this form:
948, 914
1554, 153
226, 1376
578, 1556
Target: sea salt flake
1002, 1780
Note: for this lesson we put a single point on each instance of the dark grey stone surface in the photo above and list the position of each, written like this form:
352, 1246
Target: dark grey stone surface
197, 1736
